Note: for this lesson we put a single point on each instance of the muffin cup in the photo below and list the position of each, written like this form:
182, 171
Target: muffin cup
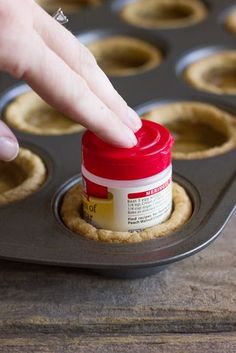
21, 177
215, 73
200, 130
29, 113
123, 55
164, 13
70, 213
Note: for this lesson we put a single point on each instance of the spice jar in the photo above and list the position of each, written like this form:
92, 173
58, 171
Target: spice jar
128, 189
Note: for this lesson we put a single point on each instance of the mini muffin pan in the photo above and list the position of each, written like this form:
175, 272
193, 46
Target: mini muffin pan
32, 229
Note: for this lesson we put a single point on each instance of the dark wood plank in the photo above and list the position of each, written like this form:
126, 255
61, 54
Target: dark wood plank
190, 304
167, 343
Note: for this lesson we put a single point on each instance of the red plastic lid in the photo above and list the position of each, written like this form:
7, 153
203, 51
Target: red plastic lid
149, 157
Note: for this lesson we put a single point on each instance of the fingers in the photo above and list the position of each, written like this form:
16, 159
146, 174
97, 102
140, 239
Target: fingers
68, 92
60, 84
79, 59
9, 147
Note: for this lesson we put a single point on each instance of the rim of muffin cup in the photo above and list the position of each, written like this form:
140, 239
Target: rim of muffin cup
175, 13
23, 112
125, 55
230, 20
68, 6
216, 128
26, 174
214, 72
71, 215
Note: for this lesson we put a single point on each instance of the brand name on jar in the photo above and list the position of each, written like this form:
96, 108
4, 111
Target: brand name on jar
154, 191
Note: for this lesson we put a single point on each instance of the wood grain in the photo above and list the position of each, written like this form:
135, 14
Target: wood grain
190, 306
166, 343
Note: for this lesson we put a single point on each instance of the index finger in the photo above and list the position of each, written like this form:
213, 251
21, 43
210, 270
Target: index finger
79, 58
68, 92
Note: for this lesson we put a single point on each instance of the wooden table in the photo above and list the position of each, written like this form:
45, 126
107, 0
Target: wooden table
189, 307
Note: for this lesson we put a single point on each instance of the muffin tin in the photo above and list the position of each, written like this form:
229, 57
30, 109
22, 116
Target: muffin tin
32, 230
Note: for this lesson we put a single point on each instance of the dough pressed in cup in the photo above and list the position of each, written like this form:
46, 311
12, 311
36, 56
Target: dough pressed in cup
21, 177
70, 213
29, 113
164, 13
200, 130
124, 55
215, 73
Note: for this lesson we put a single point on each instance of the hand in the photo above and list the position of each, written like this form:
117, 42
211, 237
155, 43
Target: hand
9, 147
37, 49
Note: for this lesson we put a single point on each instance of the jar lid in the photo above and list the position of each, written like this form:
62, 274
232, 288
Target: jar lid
150, 156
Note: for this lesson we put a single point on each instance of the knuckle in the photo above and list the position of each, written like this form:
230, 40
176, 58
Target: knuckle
103, 124
14, 62
107, 118
5, 14
81, 92
17, 69
88, 57
123, 105
120, 105
87, 61
3, 41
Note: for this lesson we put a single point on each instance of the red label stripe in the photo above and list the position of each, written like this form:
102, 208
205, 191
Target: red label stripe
139, 195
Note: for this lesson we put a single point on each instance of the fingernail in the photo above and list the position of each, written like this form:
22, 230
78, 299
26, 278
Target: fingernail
132, 141
9, 149
134, 119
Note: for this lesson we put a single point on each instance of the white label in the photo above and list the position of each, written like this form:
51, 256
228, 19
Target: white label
129, 209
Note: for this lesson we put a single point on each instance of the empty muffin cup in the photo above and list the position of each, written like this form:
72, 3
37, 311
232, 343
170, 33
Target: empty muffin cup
69, 6
164, 13
29, 113
230, 22
200, 130
215, 73
72, 217
123, 55
21, 177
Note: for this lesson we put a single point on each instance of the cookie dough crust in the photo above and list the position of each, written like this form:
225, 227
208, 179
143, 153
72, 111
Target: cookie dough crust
29, 113
215, 73
164, 13
68, 6
230, 22
122, 55
70, 212
200, 130
21, 177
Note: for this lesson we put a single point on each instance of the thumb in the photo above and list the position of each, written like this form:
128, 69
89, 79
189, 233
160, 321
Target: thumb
9, 147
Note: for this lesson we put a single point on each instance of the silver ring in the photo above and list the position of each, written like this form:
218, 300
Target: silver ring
60, 17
